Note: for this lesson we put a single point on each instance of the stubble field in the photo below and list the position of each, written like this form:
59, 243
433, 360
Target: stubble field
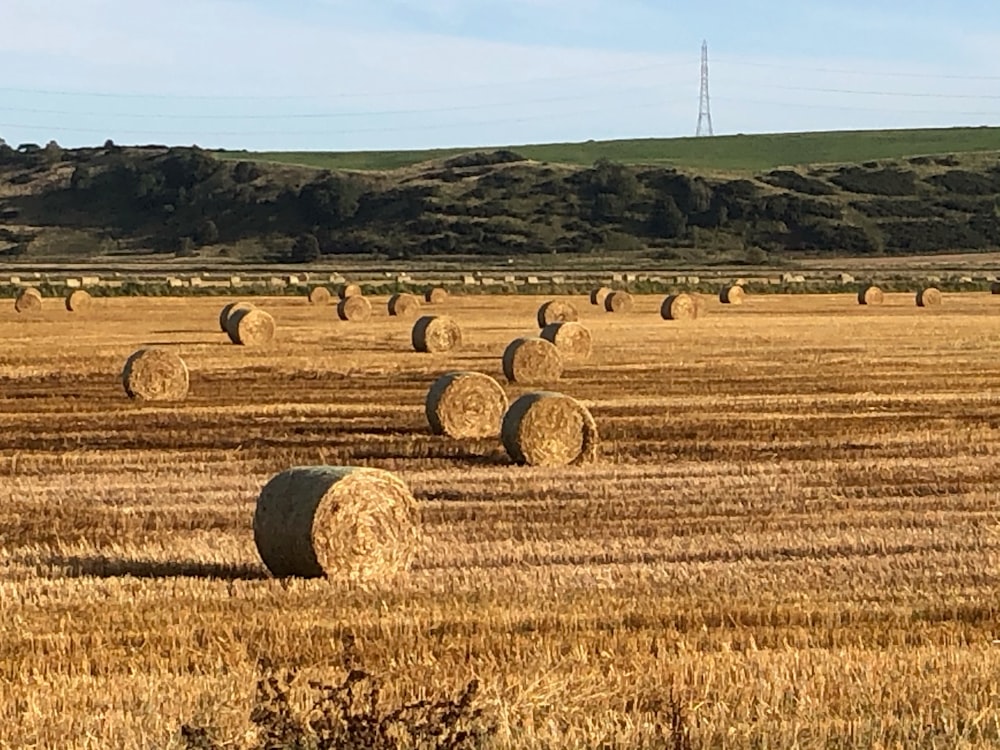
793, 529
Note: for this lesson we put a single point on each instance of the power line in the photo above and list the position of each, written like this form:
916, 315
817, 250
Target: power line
868, 72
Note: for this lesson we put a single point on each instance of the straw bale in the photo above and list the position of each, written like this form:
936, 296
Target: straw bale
466, 405
679, 307
597, 296
254, 327
549, 429
349, 290
732, 294
929, 297
619, 302
28, 300
435, 334
532, 360
155, 375
229, 309
404, 305
435, 296
78, 300
344, 523
355, 308
870, 294
556, 311
572, 339
319, 295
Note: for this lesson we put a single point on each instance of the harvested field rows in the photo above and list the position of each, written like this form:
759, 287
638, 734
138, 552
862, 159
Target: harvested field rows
793, 529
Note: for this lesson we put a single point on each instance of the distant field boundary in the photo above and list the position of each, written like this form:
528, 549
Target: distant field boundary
724, 153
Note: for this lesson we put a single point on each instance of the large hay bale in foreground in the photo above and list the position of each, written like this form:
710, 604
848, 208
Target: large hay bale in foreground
155, 375
549, 429
229, 309
254, 327
436, 296
78, 300
466, 405
404, 305
929, 297
572, 339
597, 296
556, 311
349, 290
435, 334
732, 294
319, 295
532, 360
679, 307
870, 294
619, 302
341, 522
28, 300
355, 308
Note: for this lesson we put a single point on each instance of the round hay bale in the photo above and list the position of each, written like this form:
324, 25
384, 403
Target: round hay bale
532, 360
436, 296
549, 429
679, 307
619, 302
572, 339
229, 309
870, 295
995, 287
404, 305
732, 294
339, 522
28, 300
78, 300
349, 290
597, 296
928, 297
319, 295
155, 375
253, 327
556, 311
355, 308
435, 334
466, 405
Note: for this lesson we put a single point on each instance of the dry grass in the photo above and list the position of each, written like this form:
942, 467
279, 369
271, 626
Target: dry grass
793, 528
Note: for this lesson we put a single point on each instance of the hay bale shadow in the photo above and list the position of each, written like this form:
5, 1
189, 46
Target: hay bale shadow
100, 566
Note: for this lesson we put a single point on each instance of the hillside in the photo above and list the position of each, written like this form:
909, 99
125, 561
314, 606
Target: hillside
735, 153
168, 202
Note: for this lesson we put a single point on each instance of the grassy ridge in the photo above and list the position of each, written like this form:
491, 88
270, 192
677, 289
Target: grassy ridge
733, 153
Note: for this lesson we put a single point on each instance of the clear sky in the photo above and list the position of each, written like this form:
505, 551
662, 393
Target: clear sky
400, 74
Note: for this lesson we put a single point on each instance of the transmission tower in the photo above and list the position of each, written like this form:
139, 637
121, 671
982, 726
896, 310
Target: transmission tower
704, 104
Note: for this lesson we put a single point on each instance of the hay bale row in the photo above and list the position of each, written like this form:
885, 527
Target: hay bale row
870, 295
465, 405
341, 522
155, 375
403, 305
532, 360
355, 309
571, 338
250, 327
549, 429
319, 296
732, 294
28, 300
435, 296
78, 300
435, 334
556, 311
679, 307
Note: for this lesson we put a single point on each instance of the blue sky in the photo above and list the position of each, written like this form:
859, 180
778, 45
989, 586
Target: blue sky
395, 74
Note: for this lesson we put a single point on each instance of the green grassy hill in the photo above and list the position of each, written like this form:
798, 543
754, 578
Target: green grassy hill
733, 153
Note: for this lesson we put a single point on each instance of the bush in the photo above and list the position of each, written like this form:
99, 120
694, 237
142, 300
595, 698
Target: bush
790, 180
890, 181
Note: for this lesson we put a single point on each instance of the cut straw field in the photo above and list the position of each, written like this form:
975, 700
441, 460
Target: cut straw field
791, 536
